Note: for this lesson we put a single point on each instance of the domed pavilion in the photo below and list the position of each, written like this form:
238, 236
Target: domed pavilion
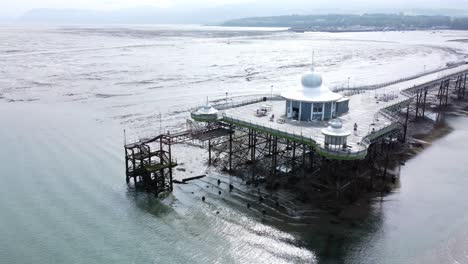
313, 100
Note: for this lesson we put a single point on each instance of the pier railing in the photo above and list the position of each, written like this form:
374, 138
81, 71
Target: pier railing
233, 102
409, 78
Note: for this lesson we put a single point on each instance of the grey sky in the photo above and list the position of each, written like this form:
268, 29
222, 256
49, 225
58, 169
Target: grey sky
12, 8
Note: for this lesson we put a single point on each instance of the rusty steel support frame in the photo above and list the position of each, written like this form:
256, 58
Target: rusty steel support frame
209, 152
274, 155
150, 164
169, 145
230, 148
464, 86
255, 153
421, 96
460, 86
261, 156
241, 147
443, 93
252, 150
387, 156
260, 152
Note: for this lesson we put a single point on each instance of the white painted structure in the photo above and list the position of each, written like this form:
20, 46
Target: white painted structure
313, 100
205, 113
335, 134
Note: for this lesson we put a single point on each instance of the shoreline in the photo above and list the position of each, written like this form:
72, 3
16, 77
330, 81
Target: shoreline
303, 30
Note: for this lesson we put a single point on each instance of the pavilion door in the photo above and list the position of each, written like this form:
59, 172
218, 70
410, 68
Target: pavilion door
295, 113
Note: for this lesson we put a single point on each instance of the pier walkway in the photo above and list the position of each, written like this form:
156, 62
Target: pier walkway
368, 111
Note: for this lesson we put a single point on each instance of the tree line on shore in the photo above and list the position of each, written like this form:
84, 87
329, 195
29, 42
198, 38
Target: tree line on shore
365, 21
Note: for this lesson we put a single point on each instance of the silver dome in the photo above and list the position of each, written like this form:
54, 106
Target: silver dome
311, 79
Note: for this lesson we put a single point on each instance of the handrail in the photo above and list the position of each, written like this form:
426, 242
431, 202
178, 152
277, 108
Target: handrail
234, 104
381, 85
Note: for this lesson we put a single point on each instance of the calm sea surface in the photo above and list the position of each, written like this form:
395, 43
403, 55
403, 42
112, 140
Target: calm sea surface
66, 94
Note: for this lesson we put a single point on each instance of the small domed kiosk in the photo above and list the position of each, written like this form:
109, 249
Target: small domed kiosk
313, 100
335, 135
206, 113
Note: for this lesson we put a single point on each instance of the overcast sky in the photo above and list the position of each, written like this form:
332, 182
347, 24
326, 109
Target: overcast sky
13, 8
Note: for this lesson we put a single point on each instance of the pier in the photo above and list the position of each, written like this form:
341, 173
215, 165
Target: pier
309, 132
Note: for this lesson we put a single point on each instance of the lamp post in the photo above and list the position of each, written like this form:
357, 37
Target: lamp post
348, 81
271, 92
160, 122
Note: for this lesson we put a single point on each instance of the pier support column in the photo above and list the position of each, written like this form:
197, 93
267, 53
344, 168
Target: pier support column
311, 158
209, 152
458, 86
447, 86
134, 166
424, 101
303, 159
253, 139
421, 95
416, 114
170, 163
464, 86
274, 155
269, 143
249, 143
443, 93
294, 153
387, 158
230, 148
337, 177
405, 128
127, 177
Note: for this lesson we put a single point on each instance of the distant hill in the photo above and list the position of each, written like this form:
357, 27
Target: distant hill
153, 15
247, 14
365, 22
